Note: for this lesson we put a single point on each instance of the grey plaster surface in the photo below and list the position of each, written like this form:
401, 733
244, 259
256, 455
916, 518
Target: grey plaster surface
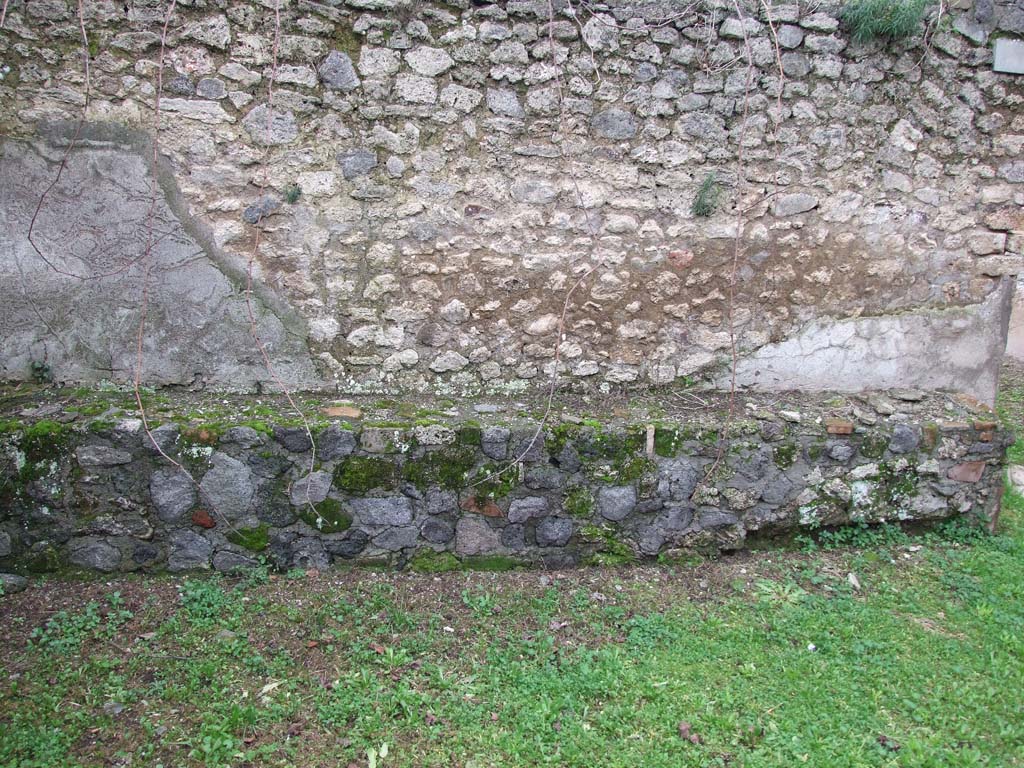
957, 349
76, 305
1009, 56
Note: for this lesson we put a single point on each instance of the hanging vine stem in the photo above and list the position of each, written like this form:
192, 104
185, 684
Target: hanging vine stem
253, 328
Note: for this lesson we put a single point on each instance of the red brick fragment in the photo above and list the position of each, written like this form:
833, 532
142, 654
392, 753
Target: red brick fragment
482, 506
203, 519
838, 427
967, 472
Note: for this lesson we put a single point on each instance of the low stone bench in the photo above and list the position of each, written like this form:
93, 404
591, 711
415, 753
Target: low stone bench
436, 487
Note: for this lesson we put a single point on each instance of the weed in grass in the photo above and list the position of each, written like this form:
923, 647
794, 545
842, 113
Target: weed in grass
480, 603
215, 747
857, 535
204, 600
65, 631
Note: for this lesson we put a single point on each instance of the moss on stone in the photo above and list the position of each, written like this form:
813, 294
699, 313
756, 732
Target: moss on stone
495, 486
895, 486
708, 436
347, 41
607, 548
429, 561
784, 455
448, 468
359, 474
10, 426
469, 435
624, 469
254, 539
327, 517
45, 560
560, 435
610, 558
667, 442
578, 502
257, 425
873, 446
44, 439
490, 563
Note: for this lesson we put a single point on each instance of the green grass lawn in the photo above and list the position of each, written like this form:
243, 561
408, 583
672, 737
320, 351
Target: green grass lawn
769, 659
875, 650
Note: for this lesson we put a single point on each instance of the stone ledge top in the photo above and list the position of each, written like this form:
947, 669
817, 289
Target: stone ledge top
833, 413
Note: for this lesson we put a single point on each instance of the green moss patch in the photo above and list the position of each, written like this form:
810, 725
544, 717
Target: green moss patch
578, 502
607, 548
490, 563
449, 467
784, 455
557, 437
327, 517
359, 474
895, 487
45, 439
873, 446
667, 442
254, 539
489, 484
429, 561
624, 469
470, 435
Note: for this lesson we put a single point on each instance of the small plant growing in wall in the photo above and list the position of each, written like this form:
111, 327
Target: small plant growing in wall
41, 372
292, 193
885, 20
706, 199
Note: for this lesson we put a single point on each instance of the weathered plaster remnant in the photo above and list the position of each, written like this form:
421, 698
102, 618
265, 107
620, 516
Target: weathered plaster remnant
953, 349
81, 316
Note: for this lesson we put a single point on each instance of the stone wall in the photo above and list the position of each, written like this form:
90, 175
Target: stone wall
448, 491
439, 175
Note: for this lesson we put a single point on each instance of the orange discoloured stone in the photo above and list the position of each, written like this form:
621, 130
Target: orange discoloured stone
343, 411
